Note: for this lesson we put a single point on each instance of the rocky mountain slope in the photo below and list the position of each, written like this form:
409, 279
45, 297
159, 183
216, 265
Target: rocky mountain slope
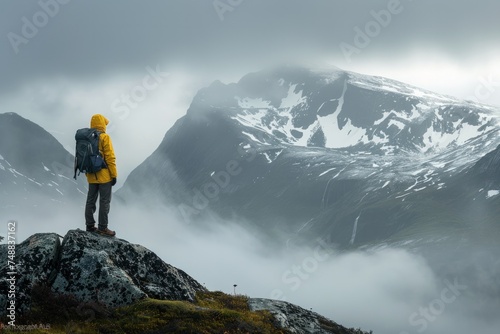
36, 171
298, 154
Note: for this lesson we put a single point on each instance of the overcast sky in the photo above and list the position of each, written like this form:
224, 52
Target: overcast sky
64, 60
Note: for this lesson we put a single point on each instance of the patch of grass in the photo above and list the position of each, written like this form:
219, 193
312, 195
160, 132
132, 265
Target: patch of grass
211, 312
63, 313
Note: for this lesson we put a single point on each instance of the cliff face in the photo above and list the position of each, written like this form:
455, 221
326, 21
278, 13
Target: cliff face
111, 271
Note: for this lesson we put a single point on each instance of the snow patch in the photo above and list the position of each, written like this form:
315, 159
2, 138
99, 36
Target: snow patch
248, 103
329, 170
35, 182
340, 136
15, 172
269, 160
273, 156
492, 193
354, 230
293, 98
252, 137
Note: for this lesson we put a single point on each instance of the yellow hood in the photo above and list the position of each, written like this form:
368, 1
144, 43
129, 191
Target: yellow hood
99, 122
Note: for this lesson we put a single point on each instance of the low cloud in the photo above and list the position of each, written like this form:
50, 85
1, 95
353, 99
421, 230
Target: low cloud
387, 290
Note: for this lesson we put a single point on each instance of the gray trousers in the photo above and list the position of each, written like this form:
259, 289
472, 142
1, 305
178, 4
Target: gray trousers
103, 191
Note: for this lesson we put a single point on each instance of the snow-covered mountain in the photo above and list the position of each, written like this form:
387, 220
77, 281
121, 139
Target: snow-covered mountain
35, 170
304, 153
341, 109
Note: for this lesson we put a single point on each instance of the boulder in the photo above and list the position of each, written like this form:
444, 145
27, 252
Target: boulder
95, 268
35, 262
295, 319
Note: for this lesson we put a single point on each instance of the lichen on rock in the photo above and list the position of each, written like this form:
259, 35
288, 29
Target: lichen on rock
95, 268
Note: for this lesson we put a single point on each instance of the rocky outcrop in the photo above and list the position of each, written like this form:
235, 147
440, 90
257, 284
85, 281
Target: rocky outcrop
91, 267
114, 272
298, 320
35, 262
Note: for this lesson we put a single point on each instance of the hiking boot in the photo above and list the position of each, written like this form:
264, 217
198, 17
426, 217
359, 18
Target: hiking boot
91, 228
106, 232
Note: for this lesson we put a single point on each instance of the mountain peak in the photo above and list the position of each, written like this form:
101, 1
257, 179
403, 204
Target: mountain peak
332, 108
35, 169
39, 147
309, 145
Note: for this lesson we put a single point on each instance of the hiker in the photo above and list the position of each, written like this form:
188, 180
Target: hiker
100, 183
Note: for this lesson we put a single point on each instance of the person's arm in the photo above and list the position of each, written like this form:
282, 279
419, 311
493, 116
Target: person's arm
109, 155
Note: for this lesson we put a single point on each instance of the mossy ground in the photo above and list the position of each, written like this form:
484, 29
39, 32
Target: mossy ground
211, 312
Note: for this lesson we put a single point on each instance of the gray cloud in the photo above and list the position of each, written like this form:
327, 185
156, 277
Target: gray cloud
95, 38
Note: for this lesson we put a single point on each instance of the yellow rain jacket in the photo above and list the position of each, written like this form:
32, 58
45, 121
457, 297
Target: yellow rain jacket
105, 175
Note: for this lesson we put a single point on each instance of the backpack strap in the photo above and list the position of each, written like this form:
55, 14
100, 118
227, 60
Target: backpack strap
75, 167
98, 133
